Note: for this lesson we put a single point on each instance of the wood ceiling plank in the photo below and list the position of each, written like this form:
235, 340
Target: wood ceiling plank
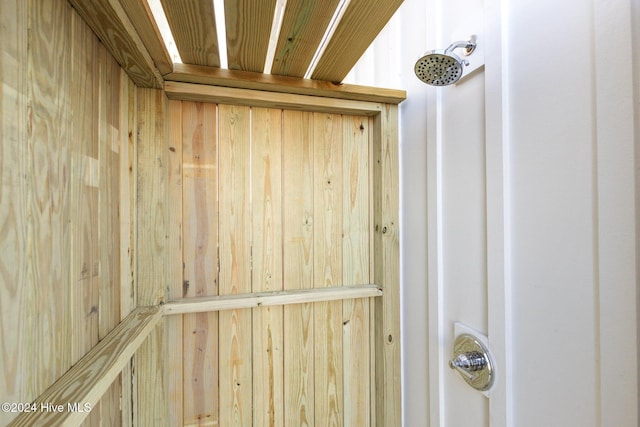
271, 83
193, 26
142, 18
248, 25
359, 26
109, 21
303, 26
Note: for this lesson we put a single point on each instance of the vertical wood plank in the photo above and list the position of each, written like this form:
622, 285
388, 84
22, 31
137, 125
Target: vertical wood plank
235, 270
298, 267
356, 258
128, 166
174, 348
108, 89
128, 185
152, 217
387, 267
16, 230
200, 254
85, 181
327, 266
268, 368
49, 74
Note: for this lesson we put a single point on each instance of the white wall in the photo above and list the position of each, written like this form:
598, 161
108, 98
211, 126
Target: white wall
566, 210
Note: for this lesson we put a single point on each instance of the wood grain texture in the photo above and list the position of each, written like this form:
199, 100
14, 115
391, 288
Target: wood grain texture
174, 325
128, 182
49, 71
108, 222
85, 171
152, 246
387, 267
87, 380
266, 274
200, 260
17, 287
272, 83
235, 265
256, 98
152, 192
126, 216
193, 26
327, 266
303, 27
356, 259
298, 267
269, 299
109, 21
352, 37
141, 17
248, 25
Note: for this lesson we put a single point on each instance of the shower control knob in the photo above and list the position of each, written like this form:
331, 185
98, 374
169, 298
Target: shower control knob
473, 362
468, 363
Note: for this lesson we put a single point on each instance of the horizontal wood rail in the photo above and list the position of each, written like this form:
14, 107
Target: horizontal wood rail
259, 98
69, 400
260, 299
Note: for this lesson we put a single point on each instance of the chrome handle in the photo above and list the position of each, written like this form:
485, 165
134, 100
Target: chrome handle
468, 363
473, 362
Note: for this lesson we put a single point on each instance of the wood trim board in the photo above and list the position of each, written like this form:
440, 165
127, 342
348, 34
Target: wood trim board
85, 383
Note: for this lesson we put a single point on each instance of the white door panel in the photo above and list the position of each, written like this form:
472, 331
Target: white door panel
520, 184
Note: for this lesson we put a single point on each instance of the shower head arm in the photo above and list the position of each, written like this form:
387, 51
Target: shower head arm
469, 45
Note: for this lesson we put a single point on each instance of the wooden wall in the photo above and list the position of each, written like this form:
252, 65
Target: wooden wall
66, 152
271, 200
114, 197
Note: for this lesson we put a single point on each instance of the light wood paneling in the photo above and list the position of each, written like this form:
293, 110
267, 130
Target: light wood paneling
303, 26
248, 24
55, 292
235, 375
200, 260
387, 267
298, 267
174, 348
88, 380
17, 257
127, 205
107, 219
356, 259
153, 256
295, 219
266, 229
327, 266
110, 22
193, 26
85, 175
50, 273
271, 83
141, 17
128, 182
352, 37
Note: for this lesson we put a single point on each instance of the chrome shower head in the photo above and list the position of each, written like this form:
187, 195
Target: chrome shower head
443, 67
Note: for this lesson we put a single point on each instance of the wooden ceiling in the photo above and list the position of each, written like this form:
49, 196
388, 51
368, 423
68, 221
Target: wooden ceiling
130, 32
